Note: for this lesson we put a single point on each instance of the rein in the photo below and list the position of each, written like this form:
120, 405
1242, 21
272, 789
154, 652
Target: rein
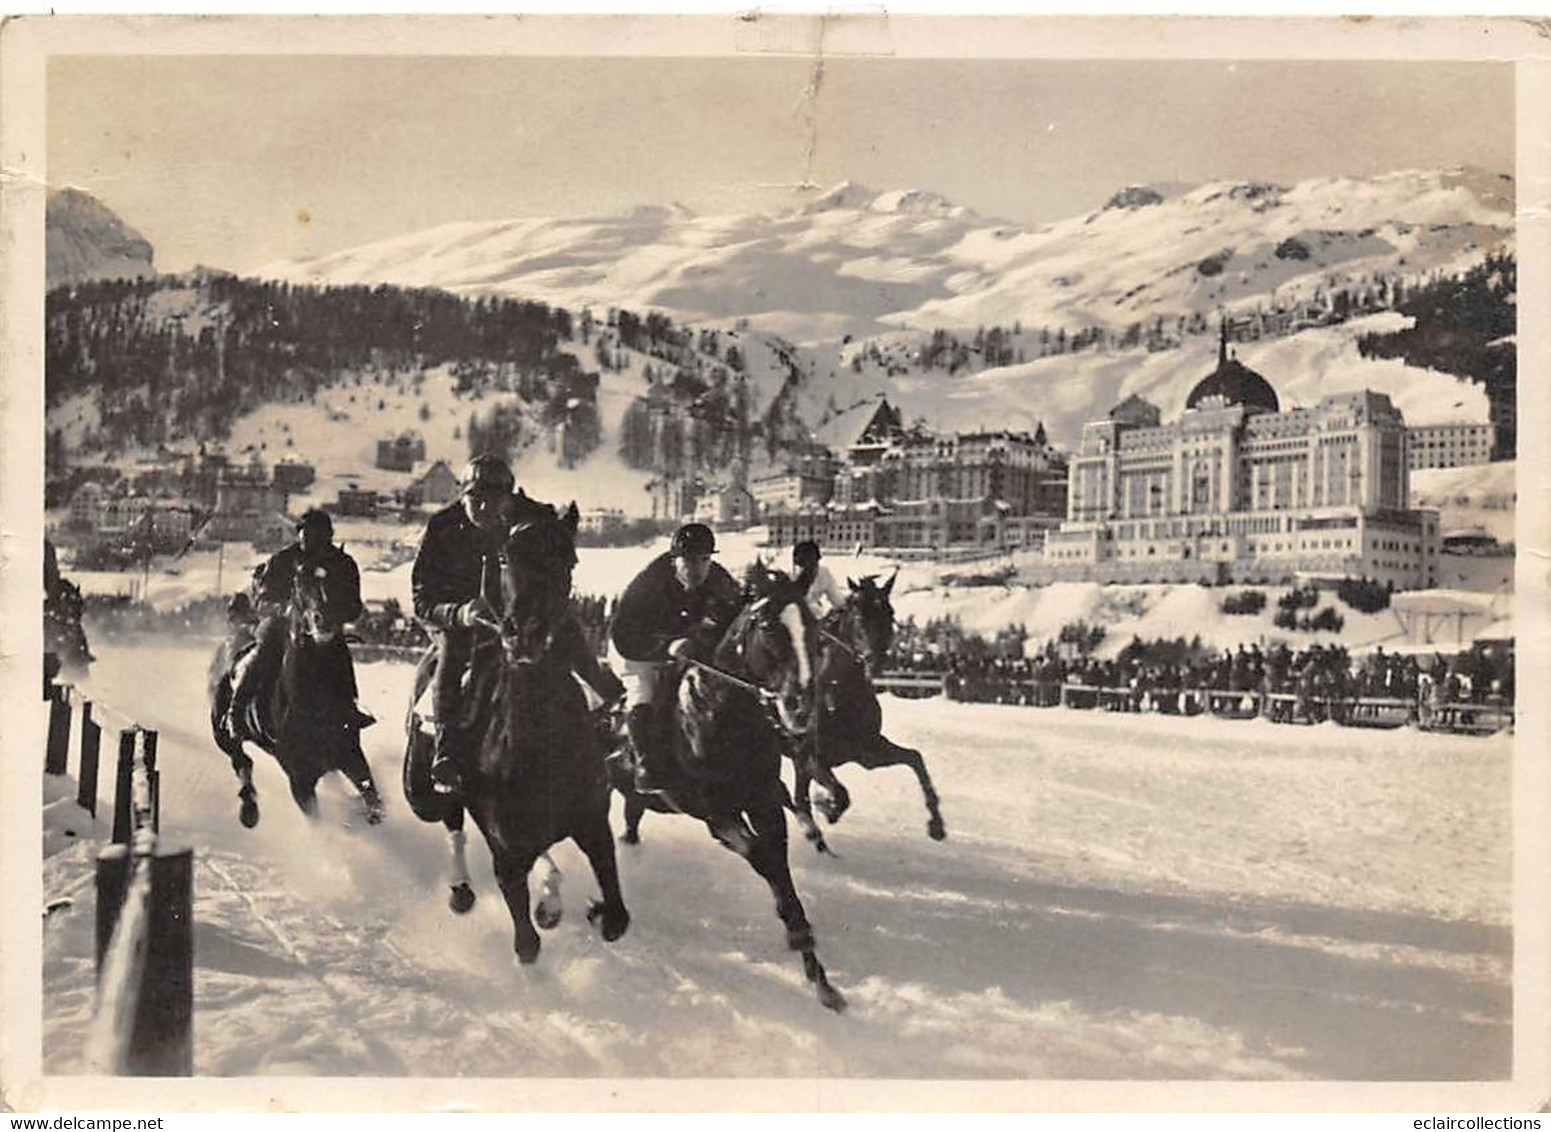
764, 694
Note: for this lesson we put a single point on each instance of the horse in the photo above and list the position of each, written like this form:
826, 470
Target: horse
724, 726
854, 643
535, 776
309, 732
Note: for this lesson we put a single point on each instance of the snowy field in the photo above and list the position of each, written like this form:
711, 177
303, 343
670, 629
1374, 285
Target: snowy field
1118, 897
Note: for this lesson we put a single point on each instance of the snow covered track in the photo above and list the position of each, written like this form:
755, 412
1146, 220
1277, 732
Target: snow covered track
1123, 896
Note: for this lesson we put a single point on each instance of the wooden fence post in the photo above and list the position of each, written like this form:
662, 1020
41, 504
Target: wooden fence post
58, 750
164, 1029
154, 776
124, 789
91, 747
161, 1043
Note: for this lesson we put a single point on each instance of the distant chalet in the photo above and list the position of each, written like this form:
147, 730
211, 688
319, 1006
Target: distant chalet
1239, 490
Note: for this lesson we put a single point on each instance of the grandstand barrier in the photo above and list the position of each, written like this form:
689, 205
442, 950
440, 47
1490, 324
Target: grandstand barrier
142, 1020
910, 684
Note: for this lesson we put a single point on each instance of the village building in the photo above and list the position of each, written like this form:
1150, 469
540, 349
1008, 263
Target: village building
437, 487
294, 476
1455, 444
400, 453
1240, 489
727, 507
601, 521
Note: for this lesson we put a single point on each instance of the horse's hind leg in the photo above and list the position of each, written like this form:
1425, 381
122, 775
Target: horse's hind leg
610, 914
511, 873
883, 752
768, 856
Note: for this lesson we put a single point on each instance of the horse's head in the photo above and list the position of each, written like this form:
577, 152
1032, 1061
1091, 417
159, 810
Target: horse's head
775, 638
537, 561
318, 597
872, 618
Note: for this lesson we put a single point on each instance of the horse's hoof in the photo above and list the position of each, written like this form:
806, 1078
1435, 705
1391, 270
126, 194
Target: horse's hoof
936, 830
800, 939
611, 922
461, 899
630, 837
548, 916
527, 950
249, 814
831, 999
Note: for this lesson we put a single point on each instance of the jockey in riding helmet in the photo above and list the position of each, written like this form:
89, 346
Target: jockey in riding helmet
820, 590
456, 587
273, 585
678, 607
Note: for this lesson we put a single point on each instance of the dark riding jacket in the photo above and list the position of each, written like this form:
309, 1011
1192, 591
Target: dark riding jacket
451, 562
276, 578
655, 610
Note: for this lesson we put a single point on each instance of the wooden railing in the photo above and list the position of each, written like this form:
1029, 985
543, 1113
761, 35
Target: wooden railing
142, 1023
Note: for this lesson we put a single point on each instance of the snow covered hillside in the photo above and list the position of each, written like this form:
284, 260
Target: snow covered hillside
1479, 495
1119, 897
858, 262
1067, 390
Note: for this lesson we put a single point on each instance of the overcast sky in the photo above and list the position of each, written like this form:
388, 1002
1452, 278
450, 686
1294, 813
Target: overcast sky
233, 162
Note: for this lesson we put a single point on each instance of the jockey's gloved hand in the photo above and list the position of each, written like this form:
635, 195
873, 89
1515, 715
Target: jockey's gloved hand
475, 612
680, 648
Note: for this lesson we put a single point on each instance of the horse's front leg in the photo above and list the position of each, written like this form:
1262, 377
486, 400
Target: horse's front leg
231, 747
461, 897
596, 841
353, 765
883, 752
800, 802
635, 809
834, 798
511, 873
768, 856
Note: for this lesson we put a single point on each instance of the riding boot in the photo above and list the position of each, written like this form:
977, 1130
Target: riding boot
638, 723
445, 778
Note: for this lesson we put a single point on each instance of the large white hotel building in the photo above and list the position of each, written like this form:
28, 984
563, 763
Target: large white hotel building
1238, 489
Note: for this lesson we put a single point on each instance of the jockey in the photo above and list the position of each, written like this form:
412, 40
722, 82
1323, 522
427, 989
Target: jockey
273, 584
459, 555
820, 590
677, 607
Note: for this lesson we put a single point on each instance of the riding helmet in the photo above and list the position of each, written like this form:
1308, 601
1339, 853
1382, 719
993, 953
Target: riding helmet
315, 517
693, 539
487, 473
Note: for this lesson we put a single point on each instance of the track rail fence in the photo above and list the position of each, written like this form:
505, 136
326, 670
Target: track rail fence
142, 1023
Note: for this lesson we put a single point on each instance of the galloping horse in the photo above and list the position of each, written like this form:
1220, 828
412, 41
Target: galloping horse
308, 730
854, 642
537, 774
724, 729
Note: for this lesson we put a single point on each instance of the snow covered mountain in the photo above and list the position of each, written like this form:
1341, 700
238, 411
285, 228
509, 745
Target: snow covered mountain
856, 262
87, 240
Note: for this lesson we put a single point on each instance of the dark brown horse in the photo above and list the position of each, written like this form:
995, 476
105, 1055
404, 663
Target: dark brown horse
854, 642
534, 775
725, 725
300, 719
